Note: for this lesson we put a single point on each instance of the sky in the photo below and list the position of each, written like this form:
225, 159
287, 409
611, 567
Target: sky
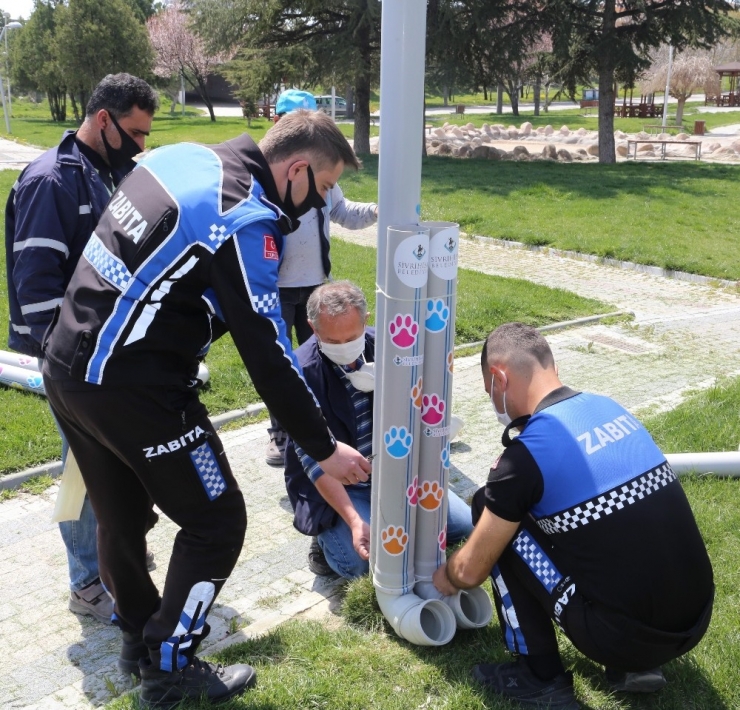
17, 8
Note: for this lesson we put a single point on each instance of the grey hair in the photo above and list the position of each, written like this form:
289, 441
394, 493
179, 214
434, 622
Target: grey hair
336, 298
519, 345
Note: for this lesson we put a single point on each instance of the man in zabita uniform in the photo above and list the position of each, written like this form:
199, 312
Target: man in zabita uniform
187, 249
581, 523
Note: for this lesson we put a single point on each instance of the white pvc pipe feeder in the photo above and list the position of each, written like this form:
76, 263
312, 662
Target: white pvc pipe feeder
16, 359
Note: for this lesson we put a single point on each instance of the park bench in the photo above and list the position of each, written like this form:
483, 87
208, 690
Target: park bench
663, 143
660, 128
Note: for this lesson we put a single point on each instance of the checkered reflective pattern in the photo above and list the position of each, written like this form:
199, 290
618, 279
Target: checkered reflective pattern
208, 470
218, 234
108, 266
266, 302
635, 490
536, 559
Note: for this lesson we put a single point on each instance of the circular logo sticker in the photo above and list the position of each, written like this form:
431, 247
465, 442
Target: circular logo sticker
443, 253
411, 260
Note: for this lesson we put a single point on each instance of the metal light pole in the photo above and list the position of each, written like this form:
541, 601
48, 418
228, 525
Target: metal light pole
6, 109
667, 85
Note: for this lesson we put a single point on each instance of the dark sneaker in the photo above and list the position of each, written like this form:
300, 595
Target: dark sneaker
639, 682
317, 561
275, 451
516, 682
199, 679
92, 600
150, 563
133, 649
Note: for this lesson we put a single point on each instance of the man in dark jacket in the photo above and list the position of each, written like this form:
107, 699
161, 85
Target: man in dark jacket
584, 524
50, 215
338, 363
187, 249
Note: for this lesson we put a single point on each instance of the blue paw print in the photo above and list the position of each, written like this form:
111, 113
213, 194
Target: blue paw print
398, 442
35, 381
445, 456
437, 315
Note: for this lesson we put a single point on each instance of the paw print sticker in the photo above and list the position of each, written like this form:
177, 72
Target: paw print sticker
437, 315
430, 495
442, 539
432, 409
35, 381
398, 442
450, 362
403, 330
394, 539
445, 456
416, 394
413, 498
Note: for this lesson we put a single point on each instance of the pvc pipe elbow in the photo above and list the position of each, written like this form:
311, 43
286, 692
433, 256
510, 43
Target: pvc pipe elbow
422, 622
472, 607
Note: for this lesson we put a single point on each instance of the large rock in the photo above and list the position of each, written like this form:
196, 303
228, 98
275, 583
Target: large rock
513, 133
435, 143
710, 148
571, 140
439, 132
457, 131
683, 137
645, 148
622, 150
735, 145
470, 127
582, 132
620, 135
463, 151
550, 152
495, 153
526, 128
480, 152
445, 149
564, 131
549, 130
522, 157
593, 149
520, 150
564, 156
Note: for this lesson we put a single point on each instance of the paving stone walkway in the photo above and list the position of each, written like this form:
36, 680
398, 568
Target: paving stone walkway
683, 336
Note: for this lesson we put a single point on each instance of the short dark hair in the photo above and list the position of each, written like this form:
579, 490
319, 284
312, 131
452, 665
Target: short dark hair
518, 344
311, 132
119, 93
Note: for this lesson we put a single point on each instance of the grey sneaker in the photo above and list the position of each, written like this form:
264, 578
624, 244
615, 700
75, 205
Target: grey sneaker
199, 679
92, 600
275, 452
516, 682
639, 682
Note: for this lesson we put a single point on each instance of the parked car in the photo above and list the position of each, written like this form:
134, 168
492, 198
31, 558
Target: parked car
323, 103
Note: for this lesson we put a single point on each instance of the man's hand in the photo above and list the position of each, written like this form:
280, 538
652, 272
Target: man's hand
361, 538
346, 465
442, 584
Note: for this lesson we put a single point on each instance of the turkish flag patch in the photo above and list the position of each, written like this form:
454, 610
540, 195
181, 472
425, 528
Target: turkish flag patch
271, 251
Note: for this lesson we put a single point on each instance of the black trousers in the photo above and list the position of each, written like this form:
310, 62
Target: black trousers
531, 593
293, 310
140, 444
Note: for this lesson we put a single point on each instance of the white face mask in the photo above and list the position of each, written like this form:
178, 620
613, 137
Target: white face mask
364, 378
503, 417
343, 353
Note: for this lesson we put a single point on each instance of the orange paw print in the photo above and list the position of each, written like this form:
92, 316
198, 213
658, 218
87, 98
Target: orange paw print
450, 361
394, 540
430, 495
416, 394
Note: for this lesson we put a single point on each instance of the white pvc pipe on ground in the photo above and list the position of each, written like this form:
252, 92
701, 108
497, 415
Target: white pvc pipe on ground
21, 378
725, 464
24, 361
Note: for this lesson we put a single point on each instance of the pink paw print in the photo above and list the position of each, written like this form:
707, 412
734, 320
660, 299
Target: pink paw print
442, 539
403, 330
411, 492
432, 409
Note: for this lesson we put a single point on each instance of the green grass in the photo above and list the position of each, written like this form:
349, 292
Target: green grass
363, 664
673, 215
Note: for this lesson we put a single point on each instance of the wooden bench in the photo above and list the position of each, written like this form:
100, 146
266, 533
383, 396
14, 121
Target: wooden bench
663, 143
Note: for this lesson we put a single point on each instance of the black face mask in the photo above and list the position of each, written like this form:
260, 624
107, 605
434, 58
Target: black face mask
119, 158
313, 200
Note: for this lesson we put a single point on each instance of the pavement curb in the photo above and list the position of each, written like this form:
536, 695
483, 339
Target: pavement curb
607, 261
